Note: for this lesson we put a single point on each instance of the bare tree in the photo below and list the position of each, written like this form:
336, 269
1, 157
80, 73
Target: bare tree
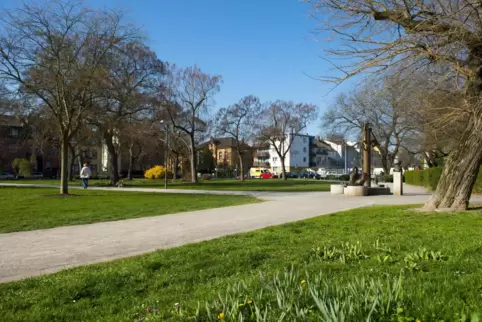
137, 137
380, 35
384, 107
126, 95
186, 98
238, 121
55, 52
280, 122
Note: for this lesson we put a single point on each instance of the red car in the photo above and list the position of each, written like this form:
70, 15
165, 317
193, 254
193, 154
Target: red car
265, 174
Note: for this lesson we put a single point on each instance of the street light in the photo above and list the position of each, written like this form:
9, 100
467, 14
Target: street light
166, 150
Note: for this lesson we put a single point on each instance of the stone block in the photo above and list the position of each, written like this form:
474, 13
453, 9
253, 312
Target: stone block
337, 189
356, 191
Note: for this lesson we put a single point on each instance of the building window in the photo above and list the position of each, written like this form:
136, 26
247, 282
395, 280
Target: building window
304, 159
304, 149
13, 132
304, 139
220, 157
275, 159
12, 148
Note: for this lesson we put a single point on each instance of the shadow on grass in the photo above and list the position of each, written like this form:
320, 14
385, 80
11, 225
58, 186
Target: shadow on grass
58, 195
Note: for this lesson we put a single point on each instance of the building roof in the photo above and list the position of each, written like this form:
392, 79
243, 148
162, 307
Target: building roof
10, 120
221, 142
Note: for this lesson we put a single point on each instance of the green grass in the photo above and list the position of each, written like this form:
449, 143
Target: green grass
37, 208
122, 290
290, 185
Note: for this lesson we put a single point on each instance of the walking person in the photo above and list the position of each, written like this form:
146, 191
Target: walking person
85, 174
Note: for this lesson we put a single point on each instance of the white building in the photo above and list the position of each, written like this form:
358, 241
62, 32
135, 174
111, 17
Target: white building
346, 153
297, 157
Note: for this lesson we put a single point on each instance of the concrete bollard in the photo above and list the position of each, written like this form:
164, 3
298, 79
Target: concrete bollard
336, 189
398, 183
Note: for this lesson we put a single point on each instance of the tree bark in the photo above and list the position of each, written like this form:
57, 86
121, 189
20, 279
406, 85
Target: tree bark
462, 166
459, 175
241, 166
192, 158
72, 162
113, 159
64, 163
283, 167
176, 166
131, 162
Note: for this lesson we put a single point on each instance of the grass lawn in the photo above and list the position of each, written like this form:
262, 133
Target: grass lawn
217, 184
37, 208
399, 265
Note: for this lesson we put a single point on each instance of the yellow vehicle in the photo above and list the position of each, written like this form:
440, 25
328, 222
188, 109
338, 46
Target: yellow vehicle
260, 173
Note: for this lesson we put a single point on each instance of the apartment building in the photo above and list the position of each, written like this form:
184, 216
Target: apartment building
297, 157
225, 154
16, 141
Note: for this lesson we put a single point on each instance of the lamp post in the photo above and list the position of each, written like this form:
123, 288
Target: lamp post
345, 159
166, 151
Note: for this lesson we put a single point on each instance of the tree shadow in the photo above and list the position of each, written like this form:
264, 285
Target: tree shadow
58, 195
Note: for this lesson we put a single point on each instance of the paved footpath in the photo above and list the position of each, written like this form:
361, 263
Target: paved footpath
38, 252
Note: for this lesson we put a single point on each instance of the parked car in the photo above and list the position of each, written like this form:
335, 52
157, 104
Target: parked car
6, 176
35, 175
309, 175
261, 173
289, 175
265, 174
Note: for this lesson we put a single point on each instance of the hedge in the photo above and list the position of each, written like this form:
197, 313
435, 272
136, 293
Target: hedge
429, 178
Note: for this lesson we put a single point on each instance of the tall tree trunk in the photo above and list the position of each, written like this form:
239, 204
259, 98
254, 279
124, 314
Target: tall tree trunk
459, 175
64, 163
114, 166
113, 158
131, 162
241, 166
176, 166
72, 162
192, 160
385, 162
283, 167
462, 166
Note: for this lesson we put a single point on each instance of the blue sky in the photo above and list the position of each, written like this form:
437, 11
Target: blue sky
260, 47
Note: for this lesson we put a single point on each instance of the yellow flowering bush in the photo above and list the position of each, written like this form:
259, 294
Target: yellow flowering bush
157, 172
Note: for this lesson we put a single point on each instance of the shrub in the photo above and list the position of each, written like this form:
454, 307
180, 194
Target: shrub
429, 178
206, 176
331, 177
387, 178
22, 167
478, 183
345, 177
157, 172
432, 177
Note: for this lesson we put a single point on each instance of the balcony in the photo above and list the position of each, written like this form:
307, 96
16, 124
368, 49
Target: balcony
259, 164
262, 155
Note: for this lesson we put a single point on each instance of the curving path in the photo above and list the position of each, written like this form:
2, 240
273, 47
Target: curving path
24, 254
